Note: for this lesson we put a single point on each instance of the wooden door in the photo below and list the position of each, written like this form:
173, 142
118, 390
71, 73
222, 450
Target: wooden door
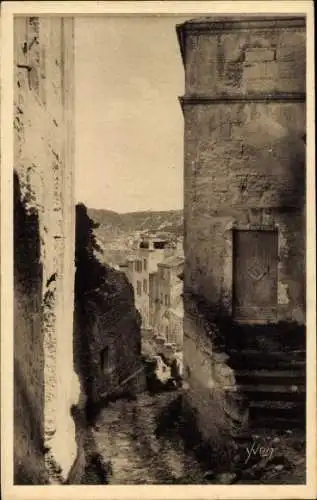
255, 258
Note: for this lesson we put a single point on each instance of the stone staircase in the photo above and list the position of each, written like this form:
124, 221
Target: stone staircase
270, 371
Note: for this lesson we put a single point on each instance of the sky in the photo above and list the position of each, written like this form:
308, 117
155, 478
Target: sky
129, 123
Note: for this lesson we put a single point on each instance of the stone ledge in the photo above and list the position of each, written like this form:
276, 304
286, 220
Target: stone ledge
190, 100
235, 21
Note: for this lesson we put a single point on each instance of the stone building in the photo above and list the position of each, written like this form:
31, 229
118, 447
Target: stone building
244, 213
136, 269
139, 266
45, 447
167, 300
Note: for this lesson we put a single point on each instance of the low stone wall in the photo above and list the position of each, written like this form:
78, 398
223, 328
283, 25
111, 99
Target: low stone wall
211, 397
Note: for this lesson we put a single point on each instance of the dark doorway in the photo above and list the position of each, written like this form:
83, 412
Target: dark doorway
105, 362
255, 259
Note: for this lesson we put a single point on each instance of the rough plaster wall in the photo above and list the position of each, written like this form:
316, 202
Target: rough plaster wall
44, 165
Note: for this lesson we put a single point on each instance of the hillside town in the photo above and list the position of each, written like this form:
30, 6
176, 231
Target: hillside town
155, 355
154, 267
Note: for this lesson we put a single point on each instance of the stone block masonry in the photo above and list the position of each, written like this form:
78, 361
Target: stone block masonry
244, 191
252, 178
46, 386
244, 151
238, 57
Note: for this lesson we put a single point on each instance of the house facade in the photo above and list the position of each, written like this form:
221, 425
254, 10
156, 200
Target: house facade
167, 307
139, 267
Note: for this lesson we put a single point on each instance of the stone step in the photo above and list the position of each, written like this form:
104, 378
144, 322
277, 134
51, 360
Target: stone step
277, 405
271, 373
273, 388
253, 338
282, 423
273, 392
296, 354
267, 360
290, 337
255, 376
277, 409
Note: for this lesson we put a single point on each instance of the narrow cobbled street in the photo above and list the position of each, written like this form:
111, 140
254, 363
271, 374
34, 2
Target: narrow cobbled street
125, 436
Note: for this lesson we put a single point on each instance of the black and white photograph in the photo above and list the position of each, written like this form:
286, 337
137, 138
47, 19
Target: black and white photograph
162, 320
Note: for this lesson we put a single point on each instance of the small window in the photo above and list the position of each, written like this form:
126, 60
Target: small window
144, 264
161, 298
159, 245
138, 266
166, 300
139, 288
145, 286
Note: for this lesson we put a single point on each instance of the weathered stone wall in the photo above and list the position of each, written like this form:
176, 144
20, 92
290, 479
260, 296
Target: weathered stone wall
210, 391
244, 112
252, 178
45, 383
241, 56
108, 325
28, 347
112, 323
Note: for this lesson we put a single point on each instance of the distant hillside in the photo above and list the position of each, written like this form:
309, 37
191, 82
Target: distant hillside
114, 224
117, 232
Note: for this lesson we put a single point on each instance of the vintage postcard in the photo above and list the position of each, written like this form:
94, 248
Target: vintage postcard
158, 308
